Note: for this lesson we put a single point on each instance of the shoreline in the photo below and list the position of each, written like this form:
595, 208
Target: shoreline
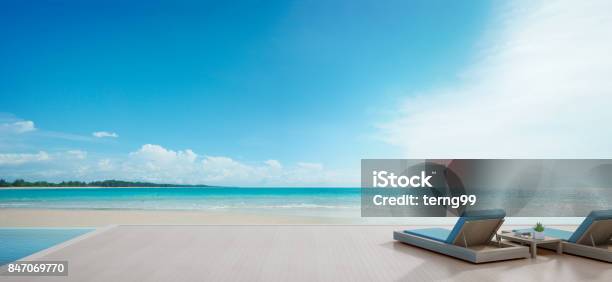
171, 187
96, 187
101, 187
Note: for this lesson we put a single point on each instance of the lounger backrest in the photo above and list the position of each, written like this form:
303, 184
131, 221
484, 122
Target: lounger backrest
477, 232
597, 225
476, 227
599, 233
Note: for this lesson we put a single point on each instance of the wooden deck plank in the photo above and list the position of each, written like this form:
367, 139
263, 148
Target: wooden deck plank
289, 253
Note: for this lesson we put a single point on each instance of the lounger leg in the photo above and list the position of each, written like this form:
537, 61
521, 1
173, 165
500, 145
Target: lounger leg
534, 250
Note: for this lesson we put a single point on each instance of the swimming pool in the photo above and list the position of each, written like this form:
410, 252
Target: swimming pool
17, 243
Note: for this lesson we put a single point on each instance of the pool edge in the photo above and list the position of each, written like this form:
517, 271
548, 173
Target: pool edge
54, 248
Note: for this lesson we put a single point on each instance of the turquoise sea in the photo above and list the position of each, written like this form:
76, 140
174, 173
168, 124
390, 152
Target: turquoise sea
342, 203
336, 202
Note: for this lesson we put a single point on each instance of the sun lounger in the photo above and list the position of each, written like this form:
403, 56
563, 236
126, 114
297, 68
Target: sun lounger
591, 239
470, 239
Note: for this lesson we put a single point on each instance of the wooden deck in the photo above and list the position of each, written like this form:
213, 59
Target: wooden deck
288, 253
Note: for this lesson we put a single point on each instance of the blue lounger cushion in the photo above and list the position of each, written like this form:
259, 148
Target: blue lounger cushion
438, 234
448, 236
584, 226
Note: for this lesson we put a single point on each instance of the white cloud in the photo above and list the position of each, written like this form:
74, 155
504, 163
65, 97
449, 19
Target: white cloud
20, 159
220, 169
18, 127
274, 164
105, 165
77, 154
13, 129
542, 88
105, 134
155, 163
12, 159
159, 154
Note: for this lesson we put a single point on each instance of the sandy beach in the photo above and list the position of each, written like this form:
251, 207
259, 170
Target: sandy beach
22, 217
94, 218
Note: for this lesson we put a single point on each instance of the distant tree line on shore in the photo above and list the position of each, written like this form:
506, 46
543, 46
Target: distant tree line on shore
105, 183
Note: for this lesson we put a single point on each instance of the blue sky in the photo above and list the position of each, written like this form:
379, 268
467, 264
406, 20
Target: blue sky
261, 92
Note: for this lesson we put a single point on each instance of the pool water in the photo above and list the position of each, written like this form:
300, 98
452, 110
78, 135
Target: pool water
17, 243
